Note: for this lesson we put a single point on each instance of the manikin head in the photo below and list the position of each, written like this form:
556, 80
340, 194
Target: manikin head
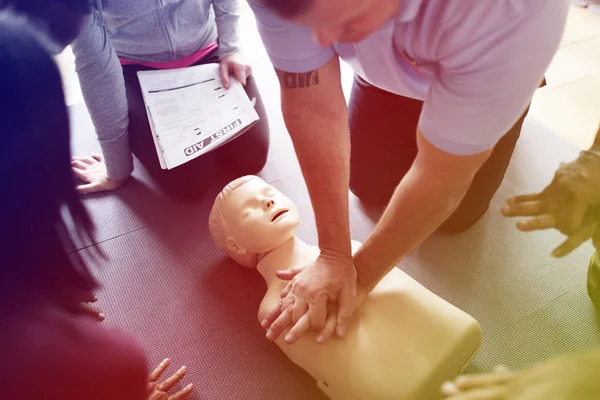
336, 20
250, 218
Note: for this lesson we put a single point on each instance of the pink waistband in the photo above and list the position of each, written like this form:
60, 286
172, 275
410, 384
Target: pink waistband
180, 63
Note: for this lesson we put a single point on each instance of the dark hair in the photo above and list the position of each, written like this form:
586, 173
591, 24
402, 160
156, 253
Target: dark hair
61, 19
35, 173
287, 8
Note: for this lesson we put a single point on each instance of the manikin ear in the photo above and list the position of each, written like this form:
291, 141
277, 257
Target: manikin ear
234, 247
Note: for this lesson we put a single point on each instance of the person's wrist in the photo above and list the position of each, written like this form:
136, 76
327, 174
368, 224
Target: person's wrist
361, 290
335, 246
337, 257
229, 55
363, 280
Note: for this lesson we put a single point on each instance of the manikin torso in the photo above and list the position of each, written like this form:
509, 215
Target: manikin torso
403, 341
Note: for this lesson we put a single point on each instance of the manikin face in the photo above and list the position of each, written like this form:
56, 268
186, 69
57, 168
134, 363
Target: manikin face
346, 20
259, 218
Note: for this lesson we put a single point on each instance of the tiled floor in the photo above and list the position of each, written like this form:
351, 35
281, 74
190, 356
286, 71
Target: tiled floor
569, 104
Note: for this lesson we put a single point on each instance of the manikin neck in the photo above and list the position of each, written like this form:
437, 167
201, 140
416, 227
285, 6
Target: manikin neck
266, 268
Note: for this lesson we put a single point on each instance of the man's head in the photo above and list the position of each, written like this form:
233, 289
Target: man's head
62, 20
336, 20
249, 218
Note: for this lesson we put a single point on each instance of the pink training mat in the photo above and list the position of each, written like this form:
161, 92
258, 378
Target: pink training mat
166, 283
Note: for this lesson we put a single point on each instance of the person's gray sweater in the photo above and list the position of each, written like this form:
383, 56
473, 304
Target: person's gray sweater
141, 30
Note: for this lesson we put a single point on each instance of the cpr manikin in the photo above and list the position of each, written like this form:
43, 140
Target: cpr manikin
403, 341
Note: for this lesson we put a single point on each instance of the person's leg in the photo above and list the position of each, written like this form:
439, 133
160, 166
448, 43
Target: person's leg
383, 141
186, 182
247, 154
593, 280
485, 183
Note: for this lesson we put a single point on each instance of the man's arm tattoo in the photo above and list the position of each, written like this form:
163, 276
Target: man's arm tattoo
293, 80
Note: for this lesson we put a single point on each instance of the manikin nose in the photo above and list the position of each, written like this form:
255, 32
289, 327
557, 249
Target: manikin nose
268, 203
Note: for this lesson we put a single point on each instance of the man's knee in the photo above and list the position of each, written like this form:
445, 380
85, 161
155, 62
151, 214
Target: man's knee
370, 193
249, 155
254, 164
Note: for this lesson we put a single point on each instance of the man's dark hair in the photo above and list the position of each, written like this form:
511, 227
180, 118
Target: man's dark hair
287, 8
38, 259
60, 19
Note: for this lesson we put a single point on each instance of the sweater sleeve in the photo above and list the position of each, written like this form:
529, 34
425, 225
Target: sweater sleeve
227, 15
102, 84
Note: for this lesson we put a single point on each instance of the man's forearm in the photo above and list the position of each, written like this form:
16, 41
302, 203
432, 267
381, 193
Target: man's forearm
321, 141
417, 208
316, 116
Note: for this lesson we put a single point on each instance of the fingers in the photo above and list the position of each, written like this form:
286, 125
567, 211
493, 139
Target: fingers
239, 71
288, 274
81, 174
286, 290
346, 306
224, 74
92, 187
156, 394
487, 393
80, 165
271, 316
579, 237
158, 371
529, 209
318, 311
84, 160
282, 322
499, 377
98, 157
92, 311
173, 379
183, 393
86, 297
299, 308
329, 328
546, 221
524, 198
298, 329
99, 185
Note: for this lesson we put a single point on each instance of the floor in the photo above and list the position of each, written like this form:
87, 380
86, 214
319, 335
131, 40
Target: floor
568, 105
